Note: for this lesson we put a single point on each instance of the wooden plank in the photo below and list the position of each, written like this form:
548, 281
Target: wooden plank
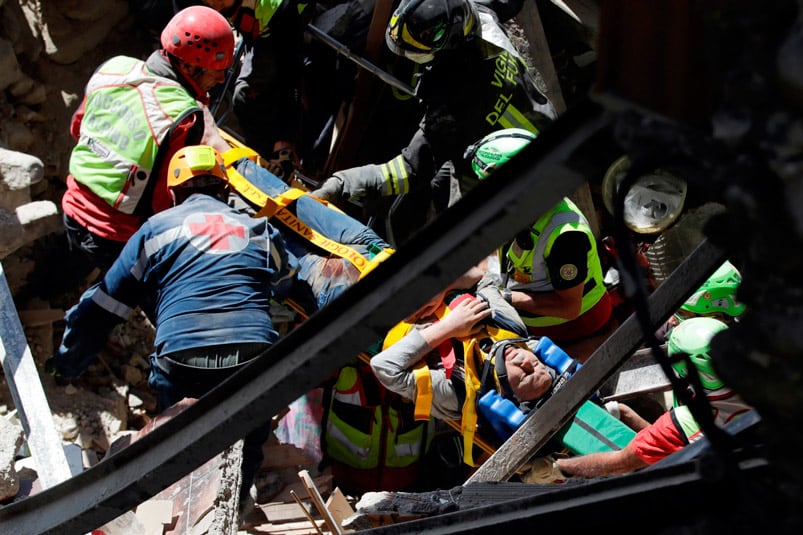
322, 483
317, 501
530, 21
339, 507
306, 512
585, 13
291, 528
284, 512
560, 408
29, 397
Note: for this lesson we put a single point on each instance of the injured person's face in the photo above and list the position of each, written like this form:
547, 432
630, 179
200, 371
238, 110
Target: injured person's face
528, 377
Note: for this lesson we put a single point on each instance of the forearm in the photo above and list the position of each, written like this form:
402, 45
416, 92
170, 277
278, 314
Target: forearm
607, 463
392, 367
554, 303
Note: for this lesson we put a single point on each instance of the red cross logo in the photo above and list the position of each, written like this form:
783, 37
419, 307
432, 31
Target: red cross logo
212, 233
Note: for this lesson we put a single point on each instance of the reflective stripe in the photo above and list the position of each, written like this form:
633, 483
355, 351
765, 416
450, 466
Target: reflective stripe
407, 449
513, 118
397, 180
346, 442
111, 305
351, 398
153, 245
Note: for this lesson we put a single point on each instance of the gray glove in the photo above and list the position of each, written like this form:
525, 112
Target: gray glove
331, 190
353, 184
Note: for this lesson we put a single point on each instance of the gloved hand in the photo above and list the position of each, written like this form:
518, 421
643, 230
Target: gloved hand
331, 190
543, 470
54, 366
355, 185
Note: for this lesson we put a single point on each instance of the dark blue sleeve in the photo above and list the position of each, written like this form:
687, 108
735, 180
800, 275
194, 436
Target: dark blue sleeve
100, 308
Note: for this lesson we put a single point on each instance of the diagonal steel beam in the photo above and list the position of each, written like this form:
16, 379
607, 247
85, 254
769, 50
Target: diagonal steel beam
44, 441
527, 186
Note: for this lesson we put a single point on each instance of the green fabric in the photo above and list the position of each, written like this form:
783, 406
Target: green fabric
593, 429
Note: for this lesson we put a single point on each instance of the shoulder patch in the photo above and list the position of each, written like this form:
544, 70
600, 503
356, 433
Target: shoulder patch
568, 272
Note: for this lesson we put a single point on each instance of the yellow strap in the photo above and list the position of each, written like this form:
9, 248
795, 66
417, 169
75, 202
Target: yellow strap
277, 207
238, 153
468, 420
423, 396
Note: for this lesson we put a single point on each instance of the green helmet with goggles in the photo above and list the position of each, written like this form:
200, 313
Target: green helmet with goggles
693, 337
495, 149
717, 294
418, 29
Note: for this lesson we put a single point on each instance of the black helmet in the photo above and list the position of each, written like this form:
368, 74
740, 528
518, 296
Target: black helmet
420, 28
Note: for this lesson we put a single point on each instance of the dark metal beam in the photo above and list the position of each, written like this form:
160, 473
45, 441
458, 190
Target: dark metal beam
527, 186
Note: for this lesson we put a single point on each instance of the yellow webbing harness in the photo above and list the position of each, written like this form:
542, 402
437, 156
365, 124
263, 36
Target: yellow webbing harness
472, 356
277, 207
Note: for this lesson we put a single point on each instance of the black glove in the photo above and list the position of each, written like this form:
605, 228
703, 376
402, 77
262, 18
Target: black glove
50, 367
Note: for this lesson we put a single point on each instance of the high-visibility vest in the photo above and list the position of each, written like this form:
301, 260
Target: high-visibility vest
254, 16
368, 427
529, 270
128, 113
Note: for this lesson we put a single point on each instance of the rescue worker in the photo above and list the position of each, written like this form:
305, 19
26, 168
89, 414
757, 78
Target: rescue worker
716, 298
267, 93
674, 429
212, 272
551, 272
473, 82
134, 116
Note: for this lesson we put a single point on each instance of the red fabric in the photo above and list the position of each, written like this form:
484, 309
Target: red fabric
587, 324
658, 440
448, 358
97, 216
446, 349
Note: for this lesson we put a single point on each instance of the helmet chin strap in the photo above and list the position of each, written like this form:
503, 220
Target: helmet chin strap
497, 353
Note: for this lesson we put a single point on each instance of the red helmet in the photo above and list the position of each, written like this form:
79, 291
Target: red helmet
200, 36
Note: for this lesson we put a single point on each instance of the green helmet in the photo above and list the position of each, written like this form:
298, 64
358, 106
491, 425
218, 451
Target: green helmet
717, 293
496, 148
693, 337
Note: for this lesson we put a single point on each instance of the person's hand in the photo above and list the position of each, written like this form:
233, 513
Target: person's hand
54, 366
543, 470
465, 318
331, 190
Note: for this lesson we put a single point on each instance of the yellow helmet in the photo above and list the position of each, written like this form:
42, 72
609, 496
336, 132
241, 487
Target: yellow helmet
196, 166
